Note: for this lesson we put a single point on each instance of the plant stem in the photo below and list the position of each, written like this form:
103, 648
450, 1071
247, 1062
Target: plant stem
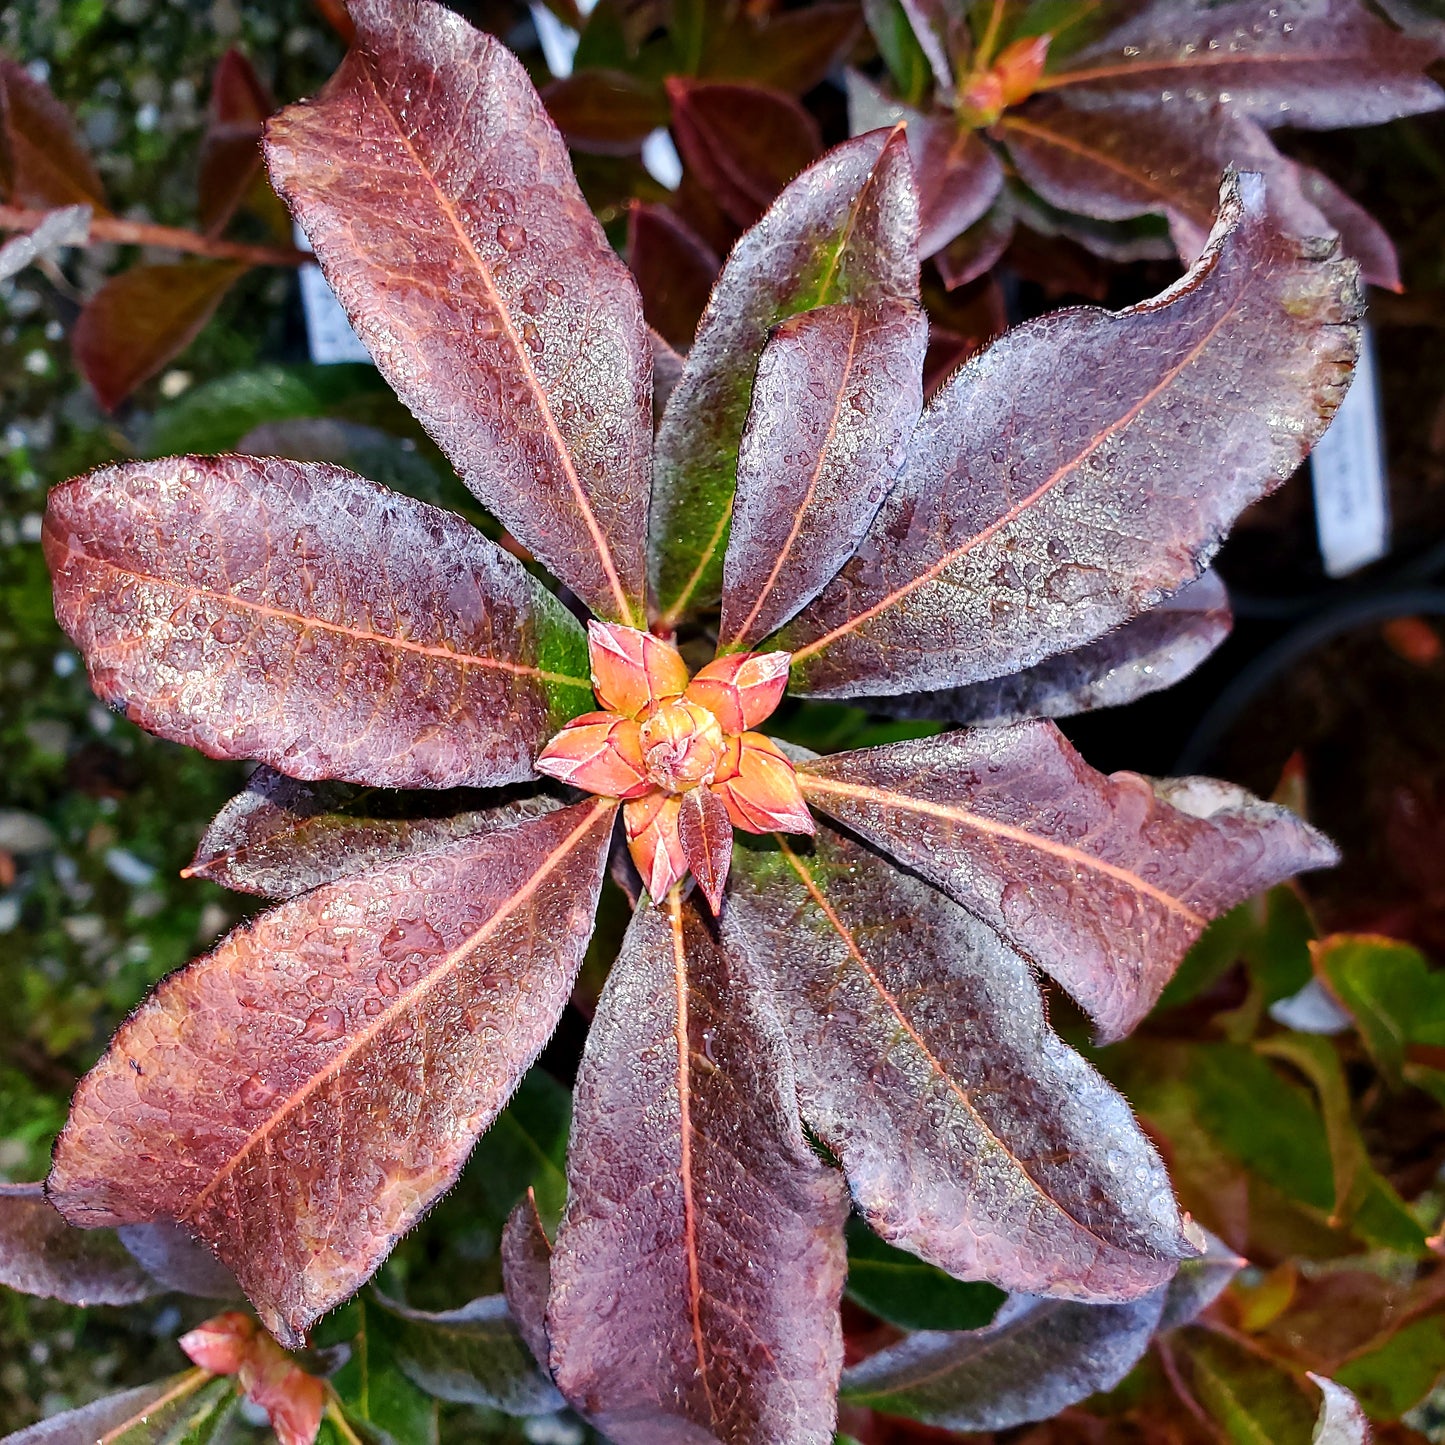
174, 238
984, 54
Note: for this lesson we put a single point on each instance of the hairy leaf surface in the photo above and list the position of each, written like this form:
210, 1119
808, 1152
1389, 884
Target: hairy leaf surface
41, 1254
527, 1276
296, 614
837, 395
700, 1261
845, 230
1323, 63
299, 1097
1151, 652
143, 318
279, 837
440, 201
1021, 529
1102, 881
969, 1133
1037, 1358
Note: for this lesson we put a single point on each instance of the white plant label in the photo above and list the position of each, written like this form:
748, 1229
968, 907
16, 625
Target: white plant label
329, 336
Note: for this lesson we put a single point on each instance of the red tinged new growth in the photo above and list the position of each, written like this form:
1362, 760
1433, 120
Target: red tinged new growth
1027, 544
1120, 112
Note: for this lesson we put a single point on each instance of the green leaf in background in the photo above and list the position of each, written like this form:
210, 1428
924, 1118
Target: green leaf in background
1401, 1372
472, 1355
376, 1395
1271, 934
900, 1288
188, 1409
213, 417
1394, 995
1271, 1126
1249, 1398
527, 1147
899, 47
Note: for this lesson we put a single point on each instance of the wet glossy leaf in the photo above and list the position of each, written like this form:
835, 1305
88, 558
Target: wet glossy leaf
473, 1355
1198, 1283
969, 1133
142, 319
607, 112
442, 207
835, 400
1392, 992
706, 834
279, 837
1341, 1420
1037, 1358
900, 1288
1154, 651
41, 1254
1019, 530
230, 163
688, 1161
235, 604
843, 231
743, 142
1102, 881
527, 1276
675, 270
45, 161
374, 1385
959, 176
1114, 165
1326, 64
417, 994
188, 1409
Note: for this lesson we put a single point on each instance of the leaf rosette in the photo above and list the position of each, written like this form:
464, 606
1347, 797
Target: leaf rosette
853, 1011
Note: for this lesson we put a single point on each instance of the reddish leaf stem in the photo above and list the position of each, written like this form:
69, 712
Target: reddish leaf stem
174, 238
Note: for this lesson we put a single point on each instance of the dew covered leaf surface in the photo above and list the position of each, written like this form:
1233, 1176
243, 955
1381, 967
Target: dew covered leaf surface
1154, 651
1038, 1357
1097, 879
1318, 63
1024, 526
441, 203
837, 395
970, 1134
844, 231
296, 614
700, 1261
279, 837
298, 1097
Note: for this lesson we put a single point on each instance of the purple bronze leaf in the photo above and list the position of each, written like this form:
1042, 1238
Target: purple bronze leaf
1153, 651
700, 1262
837, 395
299, 1097
527, 1276
1022, 528
969, 1132
1037, 1358
297, 614
279, 837
845, 230
958, 175
41, 1254
1098, 880
1112, 165
1199, 1282
176, 1261
441, 204
1313, 63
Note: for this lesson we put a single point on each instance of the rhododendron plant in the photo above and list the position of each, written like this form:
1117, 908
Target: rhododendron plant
846, 1004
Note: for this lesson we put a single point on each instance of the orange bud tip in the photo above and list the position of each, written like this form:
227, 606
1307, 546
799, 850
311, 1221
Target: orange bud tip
743, 689
763, 796
599, 753
221, 1345
653, 841
632, 670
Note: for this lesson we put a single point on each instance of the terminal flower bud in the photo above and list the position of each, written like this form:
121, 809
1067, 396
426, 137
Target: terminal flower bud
741, 690
682, 745
652, 839
632, 670
761, 792
599, 752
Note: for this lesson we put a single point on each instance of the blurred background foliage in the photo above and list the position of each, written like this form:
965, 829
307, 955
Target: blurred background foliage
1294, 1073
